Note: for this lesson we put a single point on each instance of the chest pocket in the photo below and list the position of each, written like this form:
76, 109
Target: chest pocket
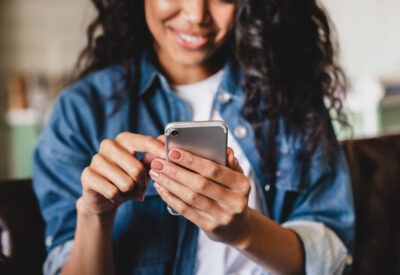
291, 173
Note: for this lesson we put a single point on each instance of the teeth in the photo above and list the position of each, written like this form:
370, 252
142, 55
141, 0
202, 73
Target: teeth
190, 38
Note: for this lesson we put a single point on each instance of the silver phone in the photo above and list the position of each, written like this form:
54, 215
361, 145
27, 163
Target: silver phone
207, 139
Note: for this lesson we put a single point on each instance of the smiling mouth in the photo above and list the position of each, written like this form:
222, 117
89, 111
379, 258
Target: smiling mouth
191, 41
191, 38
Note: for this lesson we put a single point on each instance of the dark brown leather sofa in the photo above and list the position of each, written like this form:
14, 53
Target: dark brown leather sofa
22, 248
374, 166
375, 171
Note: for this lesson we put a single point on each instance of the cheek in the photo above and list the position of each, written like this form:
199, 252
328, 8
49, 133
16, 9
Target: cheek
223, 17
157, 12
162, 8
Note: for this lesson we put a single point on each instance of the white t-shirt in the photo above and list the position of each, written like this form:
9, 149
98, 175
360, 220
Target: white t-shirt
215, 258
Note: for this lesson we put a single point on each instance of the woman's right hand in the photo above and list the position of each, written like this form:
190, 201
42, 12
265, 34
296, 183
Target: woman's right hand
116, 175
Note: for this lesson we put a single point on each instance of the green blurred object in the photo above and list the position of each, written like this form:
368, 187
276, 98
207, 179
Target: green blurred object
390, 114
22, 143
355, 120
4, 149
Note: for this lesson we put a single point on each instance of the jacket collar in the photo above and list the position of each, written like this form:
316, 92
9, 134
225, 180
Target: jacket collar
231, 79
148, 73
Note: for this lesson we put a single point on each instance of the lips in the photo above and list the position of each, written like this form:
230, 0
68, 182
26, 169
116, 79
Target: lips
191, 40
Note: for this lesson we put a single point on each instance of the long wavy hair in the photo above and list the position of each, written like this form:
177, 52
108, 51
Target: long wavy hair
286, 50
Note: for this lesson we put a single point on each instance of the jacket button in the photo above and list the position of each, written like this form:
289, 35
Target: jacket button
49, 240
224, 97
240, 131
267, 187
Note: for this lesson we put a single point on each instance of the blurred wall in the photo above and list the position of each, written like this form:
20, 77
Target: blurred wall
369, 33
42, 35
37, 37
46, 35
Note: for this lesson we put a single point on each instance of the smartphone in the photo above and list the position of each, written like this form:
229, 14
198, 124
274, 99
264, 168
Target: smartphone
207, 139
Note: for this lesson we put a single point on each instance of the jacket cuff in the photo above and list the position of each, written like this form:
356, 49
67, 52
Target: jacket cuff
57, 257
325, 253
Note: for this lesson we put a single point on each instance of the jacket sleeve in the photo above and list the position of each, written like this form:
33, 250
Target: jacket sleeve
57, 257
62, 152
324, 252
314, 199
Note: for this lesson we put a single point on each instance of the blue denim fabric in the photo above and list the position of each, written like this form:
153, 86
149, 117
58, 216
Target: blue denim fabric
148, 240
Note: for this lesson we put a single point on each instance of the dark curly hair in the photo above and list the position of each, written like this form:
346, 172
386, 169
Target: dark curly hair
284, 47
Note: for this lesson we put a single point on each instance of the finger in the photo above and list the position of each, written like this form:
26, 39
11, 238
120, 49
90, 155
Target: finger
211, 170
233, 163
187, 195
140, 143
113, 174
193, 181
148, 158
92, 181
161, 138
115, 153
184, 209
229, 151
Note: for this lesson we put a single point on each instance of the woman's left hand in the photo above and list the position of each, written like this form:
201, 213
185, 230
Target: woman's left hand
215, 198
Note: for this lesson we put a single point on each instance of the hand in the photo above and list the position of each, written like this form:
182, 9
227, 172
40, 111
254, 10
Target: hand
215, 198
115, 175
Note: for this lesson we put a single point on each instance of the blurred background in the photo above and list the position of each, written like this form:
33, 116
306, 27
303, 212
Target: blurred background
40, 41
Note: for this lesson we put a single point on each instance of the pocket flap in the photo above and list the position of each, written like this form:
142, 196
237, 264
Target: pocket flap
290, 175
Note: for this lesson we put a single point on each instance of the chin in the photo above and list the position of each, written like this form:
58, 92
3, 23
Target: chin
189, 59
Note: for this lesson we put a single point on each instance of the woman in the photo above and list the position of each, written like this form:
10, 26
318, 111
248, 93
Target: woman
282, 205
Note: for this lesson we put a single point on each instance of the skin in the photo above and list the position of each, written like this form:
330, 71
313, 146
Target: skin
212, 17
215, 198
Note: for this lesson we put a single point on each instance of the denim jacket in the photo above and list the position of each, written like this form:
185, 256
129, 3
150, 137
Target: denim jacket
147, 239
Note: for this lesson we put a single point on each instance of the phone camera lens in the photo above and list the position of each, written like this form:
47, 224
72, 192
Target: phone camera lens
174, 133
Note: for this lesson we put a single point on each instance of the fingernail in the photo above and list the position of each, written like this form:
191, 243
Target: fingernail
154, 174
174, 154
157, 165
157, 186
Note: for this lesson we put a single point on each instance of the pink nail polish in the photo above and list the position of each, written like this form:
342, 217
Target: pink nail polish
157, 165
174, 154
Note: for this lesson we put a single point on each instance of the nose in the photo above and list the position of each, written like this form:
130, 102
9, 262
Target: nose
196, 11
